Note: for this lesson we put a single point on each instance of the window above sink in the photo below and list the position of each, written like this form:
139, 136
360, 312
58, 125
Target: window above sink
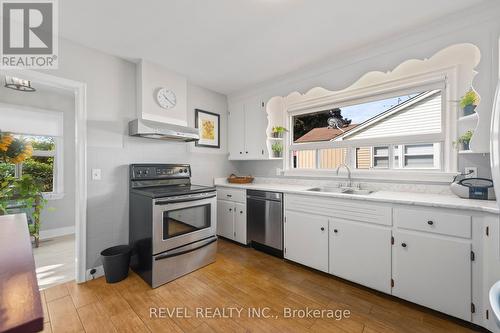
397, 125
406, 119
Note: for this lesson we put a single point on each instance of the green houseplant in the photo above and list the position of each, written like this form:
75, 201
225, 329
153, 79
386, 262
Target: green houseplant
278, 131
19, 193
464, 140
24, 193
277, 149
469, 102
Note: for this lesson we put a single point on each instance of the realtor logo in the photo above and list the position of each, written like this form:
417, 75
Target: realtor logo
29, 34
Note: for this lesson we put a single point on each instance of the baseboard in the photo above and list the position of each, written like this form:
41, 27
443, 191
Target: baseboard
99, 271
56, 232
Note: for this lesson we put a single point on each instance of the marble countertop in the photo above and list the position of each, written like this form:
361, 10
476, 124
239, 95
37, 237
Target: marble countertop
406, 198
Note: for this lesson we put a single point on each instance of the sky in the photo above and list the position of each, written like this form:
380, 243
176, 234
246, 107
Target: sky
362, 112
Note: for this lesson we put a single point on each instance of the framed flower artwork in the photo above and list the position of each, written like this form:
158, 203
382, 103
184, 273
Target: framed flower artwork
209, 125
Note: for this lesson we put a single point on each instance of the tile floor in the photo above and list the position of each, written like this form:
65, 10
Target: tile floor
55, 261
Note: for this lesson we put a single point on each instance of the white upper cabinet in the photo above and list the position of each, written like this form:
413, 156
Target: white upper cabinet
255, 129
247, 130
236, 131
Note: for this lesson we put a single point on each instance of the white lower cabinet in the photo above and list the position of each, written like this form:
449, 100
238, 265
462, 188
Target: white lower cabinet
225, 218
240, 223
232, 220
433, 271
420, 254
306, 239
361, 253
232, 214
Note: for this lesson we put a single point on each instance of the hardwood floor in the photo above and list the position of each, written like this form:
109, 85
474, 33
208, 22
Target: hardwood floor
241, 278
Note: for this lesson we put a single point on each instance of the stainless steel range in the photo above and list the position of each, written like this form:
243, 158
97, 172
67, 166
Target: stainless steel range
172, 222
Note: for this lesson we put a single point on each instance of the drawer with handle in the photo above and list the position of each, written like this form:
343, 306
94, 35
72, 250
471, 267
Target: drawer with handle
435, 221
231, 194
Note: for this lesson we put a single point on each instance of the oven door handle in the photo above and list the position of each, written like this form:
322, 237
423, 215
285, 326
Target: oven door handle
181, 252
183, 200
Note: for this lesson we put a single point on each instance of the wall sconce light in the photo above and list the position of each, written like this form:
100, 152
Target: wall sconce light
18, 84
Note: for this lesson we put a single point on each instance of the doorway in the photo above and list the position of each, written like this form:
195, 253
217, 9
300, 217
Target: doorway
61, 252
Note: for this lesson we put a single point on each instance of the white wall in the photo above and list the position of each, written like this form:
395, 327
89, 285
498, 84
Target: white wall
149, 78
203, 99
481, 28
111, 104
62, 211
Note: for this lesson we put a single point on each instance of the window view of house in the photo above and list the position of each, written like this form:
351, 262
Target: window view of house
402, 117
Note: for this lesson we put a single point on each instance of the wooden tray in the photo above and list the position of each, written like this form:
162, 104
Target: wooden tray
233, 179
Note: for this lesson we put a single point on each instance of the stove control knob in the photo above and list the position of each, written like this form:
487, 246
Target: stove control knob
185, 170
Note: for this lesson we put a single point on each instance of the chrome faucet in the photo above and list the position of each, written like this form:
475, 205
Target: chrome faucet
349, 179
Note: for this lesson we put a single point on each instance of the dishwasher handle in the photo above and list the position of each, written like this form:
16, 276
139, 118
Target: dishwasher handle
262, 199
264, 195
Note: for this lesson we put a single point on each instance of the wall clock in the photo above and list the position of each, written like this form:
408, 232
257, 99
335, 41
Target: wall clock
166, 98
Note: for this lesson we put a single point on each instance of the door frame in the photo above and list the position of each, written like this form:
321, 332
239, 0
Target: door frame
79, 90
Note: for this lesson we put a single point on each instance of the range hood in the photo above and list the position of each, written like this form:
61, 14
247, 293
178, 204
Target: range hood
162, 131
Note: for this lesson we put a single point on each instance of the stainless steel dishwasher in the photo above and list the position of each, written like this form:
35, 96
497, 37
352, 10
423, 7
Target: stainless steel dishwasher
265, 221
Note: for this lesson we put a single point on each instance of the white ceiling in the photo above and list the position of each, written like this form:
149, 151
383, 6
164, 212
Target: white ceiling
227, 45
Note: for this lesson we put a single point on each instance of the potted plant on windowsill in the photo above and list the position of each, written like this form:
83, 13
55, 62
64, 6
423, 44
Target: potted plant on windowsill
278, 131
277, 149
469, 102
464, 140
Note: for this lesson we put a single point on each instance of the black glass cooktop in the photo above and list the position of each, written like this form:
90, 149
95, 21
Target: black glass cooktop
172, 190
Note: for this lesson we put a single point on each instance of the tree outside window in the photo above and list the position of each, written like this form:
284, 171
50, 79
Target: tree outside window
40, 165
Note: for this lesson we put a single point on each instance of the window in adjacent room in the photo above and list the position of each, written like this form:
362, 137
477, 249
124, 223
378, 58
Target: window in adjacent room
44, 130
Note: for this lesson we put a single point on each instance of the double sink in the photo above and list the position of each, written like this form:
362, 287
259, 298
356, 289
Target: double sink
342, 190
348, 189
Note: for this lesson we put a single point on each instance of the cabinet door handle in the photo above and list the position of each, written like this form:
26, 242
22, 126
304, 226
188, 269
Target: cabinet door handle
403, 244
430, 222
246, 152
241, 152
335, 230
241, 212
230, 209
322, 229
229, 195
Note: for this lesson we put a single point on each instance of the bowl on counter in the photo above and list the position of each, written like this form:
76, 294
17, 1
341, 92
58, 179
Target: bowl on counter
233, 179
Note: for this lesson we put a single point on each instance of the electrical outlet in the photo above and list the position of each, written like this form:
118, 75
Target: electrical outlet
94, 273
96, 174
471, 172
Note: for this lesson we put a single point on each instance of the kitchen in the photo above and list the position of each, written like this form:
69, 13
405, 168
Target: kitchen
352, 224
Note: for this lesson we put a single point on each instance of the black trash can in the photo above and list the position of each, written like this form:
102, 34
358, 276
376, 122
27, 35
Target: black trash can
115, 261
